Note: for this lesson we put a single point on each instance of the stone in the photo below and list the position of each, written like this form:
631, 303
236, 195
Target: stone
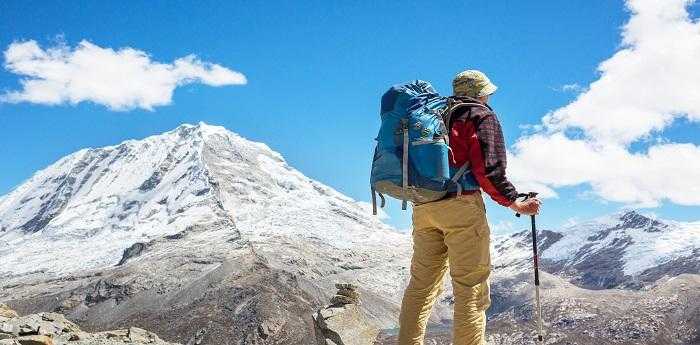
136, 334
349, 293
120, 333
77, 336
70, 303
327, 313
343, 322
345, 325
342, 300
35, 340
7, 328
52, 317
5, 311
54, 328
26, 329
345, 286
47, 328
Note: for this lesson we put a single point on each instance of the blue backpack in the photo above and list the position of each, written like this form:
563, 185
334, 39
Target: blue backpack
411, 157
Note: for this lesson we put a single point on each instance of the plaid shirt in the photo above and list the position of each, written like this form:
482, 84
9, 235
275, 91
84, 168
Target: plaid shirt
476, 136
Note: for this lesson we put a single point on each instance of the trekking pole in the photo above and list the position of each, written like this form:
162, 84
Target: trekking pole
536, 265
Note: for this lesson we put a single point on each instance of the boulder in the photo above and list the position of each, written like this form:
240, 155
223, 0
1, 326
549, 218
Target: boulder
343, 322
6, 327
6, 312
55, 329
35, 340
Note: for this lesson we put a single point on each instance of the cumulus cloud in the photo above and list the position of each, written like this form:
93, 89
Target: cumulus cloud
120, 79
646, 85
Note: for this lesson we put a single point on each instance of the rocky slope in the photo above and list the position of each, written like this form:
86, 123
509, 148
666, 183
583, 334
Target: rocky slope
667, 313
55, 329
195, 231
627, 249
621, 279
207, 238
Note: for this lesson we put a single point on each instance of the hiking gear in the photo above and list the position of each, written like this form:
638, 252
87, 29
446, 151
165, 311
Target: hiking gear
535, 264
476, 138
472, 83
451, 233
465, 192
411, 157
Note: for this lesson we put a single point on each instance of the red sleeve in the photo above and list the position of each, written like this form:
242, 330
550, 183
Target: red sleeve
487, 158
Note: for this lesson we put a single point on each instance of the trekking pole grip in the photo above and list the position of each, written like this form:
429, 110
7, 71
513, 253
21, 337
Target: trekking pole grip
526, 196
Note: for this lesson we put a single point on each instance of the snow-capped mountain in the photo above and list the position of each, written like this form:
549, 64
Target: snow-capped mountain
197, 220
203, 236
107, 199
624, 249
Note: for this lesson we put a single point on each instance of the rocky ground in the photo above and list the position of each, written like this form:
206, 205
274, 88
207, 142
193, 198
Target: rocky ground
342, 322
668, 313
213, 297
204, 237
55, 329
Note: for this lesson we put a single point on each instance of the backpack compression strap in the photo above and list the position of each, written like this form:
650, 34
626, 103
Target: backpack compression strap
459, 175
452, 105
404, 162
374, 201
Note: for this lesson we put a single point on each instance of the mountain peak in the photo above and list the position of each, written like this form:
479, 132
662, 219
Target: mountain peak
188, 129
112, 197
632, 219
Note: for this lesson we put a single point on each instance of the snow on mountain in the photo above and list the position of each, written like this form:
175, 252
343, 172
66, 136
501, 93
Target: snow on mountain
605, 252
201, 222
83, 211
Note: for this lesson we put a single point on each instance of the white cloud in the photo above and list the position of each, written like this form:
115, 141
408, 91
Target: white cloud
573, 87
119, 79
645, 85
503, 227
651, 81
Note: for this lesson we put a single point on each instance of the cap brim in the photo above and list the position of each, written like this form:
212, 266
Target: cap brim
489, 89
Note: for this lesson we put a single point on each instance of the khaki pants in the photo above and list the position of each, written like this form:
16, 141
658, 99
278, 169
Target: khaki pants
451, 231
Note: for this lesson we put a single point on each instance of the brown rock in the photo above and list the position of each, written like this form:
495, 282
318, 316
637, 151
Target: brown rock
71, 303
342, 300
345, 286
5, 311
119, 333
35, 340
350, 293
136, 334
78, 336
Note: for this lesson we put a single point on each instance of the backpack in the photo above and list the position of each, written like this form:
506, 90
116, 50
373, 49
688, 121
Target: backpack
411, 157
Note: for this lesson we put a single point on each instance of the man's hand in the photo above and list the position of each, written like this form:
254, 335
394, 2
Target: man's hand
528, 207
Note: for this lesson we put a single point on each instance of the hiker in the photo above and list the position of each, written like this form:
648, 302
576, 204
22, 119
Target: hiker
453, 231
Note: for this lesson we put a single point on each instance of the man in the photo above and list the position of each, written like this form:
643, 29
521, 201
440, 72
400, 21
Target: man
453, 232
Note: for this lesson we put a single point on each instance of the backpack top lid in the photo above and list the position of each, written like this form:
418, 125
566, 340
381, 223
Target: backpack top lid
404, 98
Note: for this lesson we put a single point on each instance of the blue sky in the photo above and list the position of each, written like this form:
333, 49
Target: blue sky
315, 72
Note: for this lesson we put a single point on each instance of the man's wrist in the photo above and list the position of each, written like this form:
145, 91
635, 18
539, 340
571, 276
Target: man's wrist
513, 206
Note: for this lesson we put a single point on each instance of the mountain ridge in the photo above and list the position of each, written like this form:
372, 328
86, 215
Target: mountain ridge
620, 249
201, 228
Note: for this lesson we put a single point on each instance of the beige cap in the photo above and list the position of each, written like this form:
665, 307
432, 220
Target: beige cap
472, 83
